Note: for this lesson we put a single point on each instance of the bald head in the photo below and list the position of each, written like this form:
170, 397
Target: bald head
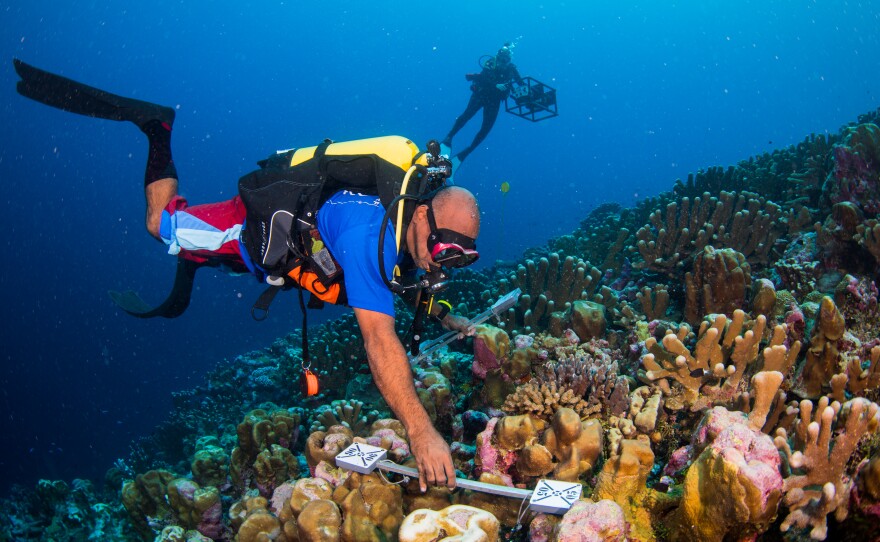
456, 209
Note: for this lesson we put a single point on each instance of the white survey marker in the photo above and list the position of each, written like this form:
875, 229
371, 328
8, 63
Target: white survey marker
549, 496
495, 310
552, 497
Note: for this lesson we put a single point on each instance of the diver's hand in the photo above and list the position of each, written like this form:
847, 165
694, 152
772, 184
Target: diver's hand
470, 76
501, 86
433, 458
454, 322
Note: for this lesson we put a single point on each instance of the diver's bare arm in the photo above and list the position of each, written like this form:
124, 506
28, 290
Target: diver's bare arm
393, 377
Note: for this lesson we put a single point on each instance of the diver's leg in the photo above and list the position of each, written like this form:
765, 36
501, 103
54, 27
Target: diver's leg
473, 106
490, 113
160, 177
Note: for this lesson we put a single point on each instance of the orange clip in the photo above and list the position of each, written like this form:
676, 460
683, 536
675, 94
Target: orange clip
309, 383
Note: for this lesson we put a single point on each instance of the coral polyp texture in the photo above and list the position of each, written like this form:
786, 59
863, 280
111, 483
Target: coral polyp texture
712, 375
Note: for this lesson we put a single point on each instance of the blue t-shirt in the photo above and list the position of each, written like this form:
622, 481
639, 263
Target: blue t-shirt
349, 225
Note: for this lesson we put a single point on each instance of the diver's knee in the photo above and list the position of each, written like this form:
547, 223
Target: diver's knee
154, 221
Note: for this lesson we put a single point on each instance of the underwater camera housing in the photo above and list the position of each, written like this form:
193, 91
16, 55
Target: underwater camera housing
532, 100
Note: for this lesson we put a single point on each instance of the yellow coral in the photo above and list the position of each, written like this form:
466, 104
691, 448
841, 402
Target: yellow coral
719, 500
372, 509
575, 445
319, 521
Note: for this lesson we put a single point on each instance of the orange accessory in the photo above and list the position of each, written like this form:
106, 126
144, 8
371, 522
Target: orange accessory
309, 383
310, 281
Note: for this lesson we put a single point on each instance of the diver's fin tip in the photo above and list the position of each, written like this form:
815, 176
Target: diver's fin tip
75, 97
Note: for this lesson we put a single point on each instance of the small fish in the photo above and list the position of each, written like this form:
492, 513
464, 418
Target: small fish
699, 373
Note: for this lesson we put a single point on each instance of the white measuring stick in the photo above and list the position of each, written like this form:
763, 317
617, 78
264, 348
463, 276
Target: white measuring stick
549, 496
503, 491
495, 310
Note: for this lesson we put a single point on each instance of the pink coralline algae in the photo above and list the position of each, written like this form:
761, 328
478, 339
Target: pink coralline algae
211, 524
796, 324
490, 458
587, 521
679, 460
523, 341
335, 475
729, 434
281, 496
484, 359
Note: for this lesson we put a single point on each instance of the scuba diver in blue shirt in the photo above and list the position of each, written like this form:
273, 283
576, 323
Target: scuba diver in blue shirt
440, 231
489, 89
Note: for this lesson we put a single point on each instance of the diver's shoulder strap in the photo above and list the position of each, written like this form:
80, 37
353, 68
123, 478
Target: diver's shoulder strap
173, 306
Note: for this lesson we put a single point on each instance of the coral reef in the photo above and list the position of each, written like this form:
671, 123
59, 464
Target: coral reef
715, 377
548, 286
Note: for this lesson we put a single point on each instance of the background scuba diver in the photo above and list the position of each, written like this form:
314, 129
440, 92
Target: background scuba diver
349, 222
489, 89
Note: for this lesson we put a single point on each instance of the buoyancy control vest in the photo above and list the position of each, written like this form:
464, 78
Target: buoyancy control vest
282, 199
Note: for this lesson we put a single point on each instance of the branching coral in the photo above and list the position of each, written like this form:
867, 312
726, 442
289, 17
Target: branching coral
584, 376
544, 396
744, 222
598, 238
548, 286
861, 380
721, 355
654, 301
823, 356
817, 483
719, 283
857, 160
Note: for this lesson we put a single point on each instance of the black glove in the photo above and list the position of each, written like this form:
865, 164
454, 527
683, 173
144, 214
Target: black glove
470, 76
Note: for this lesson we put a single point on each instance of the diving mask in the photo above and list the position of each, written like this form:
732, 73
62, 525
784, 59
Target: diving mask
450, 248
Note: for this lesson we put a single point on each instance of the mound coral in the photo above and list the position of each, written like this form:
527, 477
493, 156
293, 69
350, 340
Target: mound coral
457, 522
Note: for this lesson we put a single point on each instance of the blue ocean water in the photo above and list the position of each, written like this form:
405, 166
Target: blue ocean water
647, 93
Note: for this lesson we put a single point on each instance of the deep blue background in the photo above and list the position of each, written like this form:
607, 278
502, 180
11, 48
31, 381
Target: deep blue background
646, 95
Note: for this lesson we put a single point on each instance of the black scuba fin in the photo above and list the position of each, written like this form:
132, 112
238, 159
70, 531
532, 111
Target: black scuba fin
173, 306
68, 95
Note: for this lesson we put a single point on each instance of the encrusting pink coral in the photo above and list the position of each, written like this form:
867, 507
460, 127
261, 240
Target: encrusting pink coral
587, 521
733, 485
